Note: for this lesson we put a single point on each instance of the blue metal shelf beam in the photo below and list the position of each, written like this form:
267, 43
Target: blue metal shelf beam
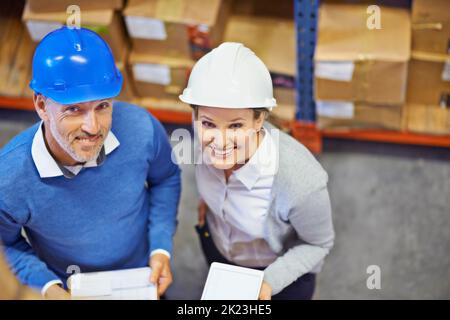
306, 14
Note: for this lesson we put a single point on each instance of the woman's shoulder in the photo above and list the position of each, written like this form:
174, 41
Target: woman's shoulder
298, 170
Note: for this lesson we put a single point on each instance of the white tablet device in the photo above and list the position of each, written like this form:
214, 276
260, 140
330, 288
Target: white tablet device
228, 282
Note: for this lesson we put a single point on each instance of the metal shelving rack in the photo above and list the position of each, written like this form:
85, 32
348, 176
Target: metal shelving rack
304, 126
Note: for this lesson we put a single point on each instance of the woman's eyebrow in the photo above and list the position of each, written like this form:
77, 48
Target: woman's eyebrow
237, 119
207, 118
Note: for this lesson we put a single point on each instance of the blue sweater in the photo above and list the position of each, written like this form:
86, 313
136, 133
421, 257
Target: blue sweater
105, 218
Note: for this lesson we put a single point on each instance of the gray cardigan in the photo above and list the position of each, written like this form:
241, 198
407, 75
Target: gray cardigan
299, 226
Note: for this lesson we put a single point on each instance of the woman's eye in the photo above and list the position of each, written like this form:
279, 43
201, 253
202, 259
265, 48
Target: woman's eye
236, 126
207, 124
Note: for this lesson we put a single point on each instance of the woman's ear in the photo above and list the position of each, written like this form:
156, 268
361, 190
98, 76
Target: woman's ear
40, 106
260, 121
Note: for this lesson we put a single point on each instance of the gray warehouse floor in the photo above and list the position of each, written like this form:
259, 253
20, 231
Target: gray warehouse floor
391, 208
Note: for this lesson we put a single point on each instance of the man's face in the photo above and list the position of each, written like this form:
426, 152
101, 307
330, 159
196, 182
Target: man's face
80, 129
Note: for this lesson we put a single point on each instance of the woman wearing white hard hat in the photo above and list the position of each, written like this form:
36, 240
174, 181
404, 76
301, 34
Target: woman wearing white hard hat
264, 200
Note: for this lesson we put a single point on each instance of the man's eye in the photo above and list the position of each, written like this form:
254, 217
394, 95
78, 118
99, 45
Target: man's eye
103, 106
236, 126
73, 109
208, 124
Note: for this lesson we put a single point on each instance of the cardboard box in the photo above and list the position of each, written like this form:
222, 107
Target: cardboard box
16, 52
285, 95
355, 63
159, 77
431, 26
428, 119
61, 5
429, 79
272, 39
128, 92
346, 114
264, 8
176, 28
164, 104
107, 23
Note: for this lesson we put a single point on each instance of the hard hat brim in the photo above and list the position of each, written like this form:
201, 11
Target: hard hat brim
268, 103
80, 94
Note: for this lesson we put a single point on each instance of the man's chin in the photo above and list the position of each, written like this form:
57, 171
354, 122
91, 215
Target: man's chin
87, 155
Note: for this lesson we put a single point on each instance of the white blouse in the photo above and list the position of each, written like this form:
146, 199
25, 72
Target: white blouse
240, 206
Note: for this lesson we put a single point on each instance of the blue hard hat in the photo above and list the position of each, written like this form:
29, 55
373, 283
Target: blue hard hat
75, 65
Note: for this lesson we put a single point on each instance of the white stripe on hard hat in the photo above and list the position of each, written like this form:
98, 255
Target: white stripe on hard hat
230, 76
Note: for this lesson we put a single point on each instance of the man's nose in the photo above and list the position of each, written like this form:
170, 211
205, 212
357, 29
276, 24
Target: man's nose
90, 123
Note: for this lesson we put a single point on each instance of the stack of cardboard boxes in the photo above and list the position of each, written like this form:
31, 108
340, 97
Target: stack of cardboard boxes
156, 42
15, 52
269, 30
167, 37
360, 71
428, 97
102, 16
364, 76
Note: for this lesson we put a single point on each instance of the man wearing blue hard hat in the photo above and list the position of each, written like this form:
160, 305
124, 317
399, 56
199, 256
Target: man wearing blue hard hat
93, 189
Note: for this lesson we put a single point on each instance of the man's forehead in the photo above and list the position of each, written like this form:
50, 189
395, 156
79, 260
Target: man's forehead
86, 104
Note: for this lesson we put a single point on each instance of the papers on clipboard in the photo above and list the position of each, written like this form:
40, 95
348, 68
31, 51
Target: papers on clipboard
227, 282
129, 284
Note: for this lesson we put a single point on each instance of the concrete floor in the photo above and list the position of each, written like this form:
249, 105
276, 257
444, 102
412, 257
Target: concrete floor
391, 208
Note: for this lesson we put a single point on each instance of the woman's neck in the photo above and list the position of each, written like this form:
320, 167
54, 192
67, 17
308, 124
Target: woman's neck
229, 172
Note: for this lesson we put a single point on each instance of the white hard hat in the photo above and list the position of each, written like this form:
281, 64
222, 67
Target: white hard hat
230, 76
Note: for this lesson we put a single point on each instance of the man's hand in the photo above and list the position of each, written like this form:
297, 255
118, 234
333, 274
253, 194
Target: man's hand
266, 291
55, 292
161, 273
202, 208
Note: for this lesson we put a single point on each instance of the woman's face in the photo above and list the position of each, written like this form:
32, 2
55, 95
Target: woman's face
228, 136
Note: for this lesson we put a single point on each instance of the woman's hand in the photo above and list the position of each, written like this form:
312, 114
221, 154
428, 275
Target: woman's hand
202, 208
266, 291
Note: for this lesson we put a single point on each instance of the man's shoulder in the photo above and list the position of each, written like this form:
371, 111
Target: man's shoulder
129, 113
132, 120
15, 156
20, 145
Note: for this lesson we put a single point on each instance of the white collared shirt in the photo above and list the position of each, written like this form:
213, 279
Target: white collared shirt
240, 206
48, 167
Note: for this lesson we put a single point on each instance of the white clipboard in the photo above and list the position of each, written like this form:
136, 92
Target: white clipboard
128, 284
228, 282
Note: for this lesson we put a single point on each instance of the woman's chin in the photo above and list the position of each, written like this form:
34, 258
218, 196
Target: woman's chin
222, 164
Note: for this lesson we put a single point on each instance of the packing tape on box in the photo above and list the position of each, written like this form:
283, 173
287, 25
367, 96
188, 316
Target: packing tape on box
334, 70
152, 73
446, 71
146, 28
39, 29
335, 109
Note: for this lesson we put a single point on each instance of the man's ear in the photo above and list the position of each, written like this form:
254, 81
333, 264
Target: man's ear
40, 106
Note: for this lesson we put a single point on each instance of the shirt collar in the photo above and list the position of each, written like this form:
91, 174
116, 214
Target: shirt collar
48, 167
